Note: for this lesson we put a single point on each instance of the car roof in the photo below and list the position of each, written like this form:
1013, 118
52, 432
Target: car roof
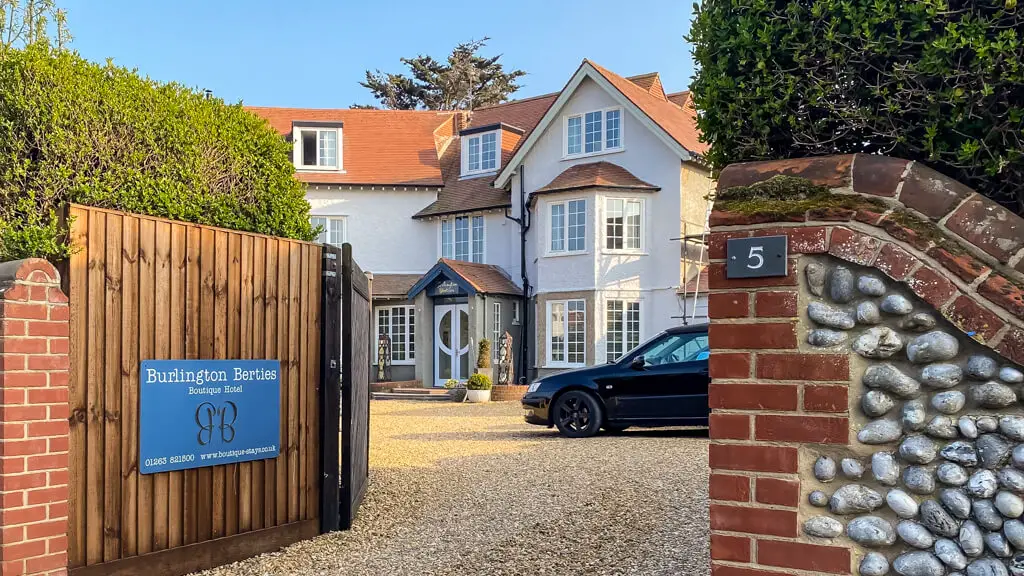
687, 329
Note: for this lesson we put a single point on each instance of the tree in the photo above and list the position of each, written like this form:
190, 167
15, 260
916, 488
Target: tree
23, 23
937, 81
464, 81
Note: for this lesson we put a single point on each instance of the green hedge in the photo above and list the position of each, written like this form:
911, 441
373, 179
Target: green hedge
100, 135
941, 81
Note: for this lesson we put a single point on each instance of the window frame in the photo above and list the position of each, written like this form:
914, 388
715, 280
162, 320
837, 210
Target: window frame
606, 237
448, 242
496, 331
628, 344
408, 335
297, 148
566, 238
467, 141
568, 154
328, 218
515, 312
549, 332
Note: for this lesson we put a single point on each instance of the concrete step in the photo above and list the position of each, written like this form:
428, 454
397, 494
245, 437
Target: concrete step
432, 391
414, 397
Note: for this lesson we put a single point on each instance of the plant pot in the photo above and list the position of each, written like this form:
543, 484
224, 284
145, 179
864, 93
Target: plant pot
477, 396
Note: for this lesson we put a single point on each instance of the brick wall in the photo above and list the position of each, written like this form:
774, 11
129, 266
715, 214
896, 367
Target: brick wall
33, 419
508, 393
774, 397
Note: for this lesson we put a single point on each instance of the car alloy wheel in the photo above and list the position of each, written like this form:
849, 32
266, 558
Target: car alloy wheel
577, 415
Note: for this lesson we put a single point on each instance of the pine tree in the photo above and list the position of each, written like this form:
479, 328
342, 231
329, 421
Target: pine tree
466, 80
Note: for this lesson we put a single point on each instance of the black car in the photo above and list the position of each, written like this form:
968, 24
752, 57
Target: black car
663, 382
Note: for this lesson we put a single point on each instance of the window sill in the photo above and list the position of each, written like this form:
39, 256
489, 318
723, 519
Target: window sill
474, 175
564, 254
403, 362
567, 157
318, 169
562, 366
625, 252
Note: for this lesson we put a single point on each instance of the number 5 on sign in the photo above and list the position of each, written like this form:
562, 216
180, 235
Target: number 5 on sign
757, 257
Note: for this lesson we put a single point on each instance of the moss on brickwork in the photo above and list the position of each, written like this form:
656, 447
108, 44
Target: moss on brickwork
783, 195
927, 230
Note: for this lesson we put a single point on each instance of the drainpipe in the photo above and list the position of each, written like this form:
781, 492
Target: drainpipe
524, 313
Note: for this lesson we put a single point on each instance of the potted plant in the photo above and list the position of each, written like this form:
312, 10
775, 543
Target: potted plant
483, 359
456, 390
478, 388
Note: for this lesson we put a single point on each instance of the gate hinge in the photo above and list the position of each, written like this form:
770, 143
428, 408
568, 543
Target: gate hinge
329, 273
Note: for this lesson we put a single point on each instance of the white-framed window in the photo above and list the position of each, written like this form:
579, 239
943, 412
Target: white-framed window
462, 238
567, 332
399, 323
568, 226
515, 312
496, 328
593, 132
334, 229
480, 153
623, 219
317, 148
622, 327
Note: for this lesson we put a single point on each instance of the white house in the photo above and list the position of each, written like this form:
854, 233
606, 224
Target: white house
581, 197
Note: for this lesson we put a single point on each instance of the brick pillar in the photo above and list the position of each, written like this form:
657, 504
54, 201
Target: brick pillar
34, 329
768, 398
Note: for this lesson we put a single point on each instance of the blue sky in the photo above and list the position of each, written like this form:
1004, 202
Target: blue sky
313, 53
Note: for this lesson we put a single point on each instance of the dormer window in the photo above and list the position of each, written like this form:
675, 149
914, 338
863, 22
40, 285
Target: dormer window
480, 153
317, 147
591, 133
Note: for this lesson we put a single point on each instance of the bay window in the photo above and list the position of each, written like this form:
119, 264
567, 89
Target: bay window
399, 324
566, 328
622, 327
568, 226
623, 224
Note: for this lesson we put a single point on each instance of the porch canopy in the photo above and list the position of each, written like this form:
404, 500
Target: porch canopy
458, 278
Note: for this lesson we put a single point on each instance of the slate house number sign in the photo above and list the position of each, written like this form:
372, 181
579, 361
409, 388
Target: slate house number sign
197, 413
756, 257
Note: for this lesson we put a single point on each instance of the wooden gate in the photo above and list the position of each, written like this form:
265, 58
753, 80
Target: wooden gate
345, 393
147, 288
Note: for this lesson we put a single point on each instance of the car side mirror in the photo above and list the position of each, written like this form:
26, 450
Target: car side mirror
637, 363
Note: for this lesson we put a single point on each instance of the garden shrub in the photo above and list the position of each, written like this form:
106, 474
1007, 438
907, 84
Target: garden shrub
101, 135
479, 382
939, 81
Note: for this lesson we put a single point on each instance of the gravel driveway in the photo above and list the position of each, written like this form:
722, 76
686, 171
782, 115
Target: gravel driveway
467, 489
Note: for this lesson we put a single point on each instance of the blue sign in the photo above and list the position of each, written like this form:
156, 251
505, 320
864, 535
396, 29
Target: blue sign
197, 413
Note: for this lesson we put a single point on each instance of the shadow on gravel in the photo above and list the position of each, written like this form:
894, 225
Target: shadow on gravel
546, 434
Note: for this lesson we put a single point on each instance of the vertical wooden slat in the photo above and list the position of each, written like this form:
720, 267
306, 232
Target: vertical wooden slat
259, 267
234, 314
294, 340
161, 351
129, 386
283, 336
302, 373
147, 295
270, 324
193, 309
207, 331
245, 338
220, 345
313, 380
78, 301
97, 329
176, 480
112, 395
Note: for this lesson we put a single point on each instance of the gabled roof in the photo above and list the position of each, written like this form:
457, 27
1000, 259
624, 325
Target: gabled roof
477, 193
389, 147
650, 82
594, 175
681, 99
676, 126
473, 278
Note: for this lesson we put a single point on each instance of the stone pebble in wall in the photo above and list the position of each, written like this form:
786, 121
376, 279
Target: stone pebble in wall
943, 491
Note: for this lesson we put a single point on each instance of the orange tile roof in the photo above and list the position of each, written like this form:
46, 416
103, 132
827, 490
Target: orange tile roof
680, 99
392, 147
682, 127
650, 82
485, 278
595, 174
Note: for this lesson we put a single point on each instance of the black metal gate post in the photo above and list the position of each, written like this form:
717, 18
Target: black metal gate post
330, 389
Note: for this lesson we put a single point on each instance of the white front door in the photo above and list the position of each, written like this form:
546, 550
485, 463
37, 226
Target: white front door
451, 343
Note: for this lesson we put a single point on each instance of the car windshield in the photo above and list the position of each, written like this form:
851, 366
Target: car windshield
676, 348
